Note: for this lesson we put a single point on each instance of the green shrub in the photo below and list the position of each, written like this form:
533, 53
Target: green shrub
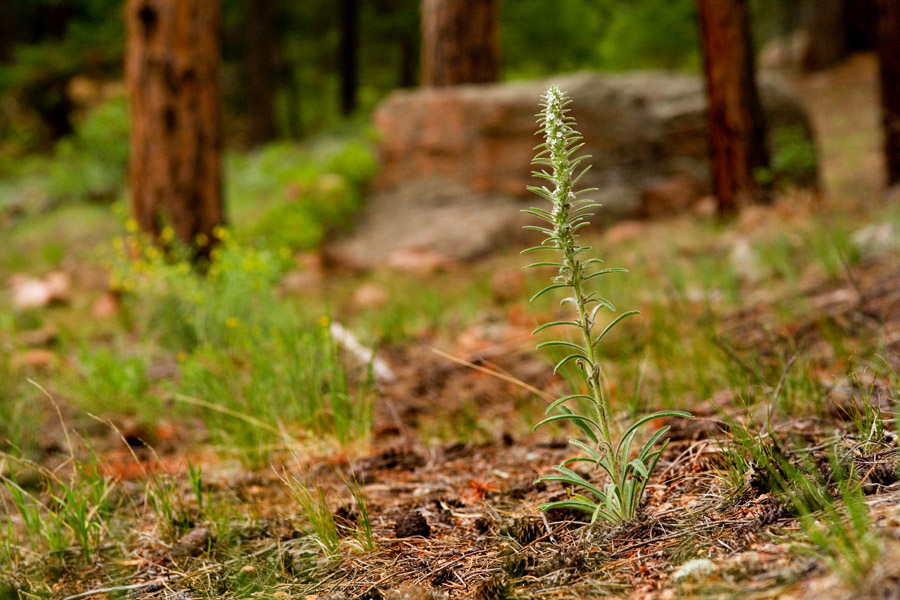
652, 34
291, 196
264, 374
91, 164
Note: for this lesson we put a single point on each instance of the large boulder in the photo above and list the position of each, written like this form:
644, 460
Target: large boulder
462, 157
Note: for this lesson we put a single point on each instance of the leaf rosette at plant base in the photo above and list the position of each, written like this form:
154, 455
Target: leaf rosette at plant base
620, 498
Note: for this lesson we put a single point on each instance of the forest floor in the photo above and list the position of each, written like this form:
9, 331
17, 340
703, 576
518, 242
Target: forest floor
129, 472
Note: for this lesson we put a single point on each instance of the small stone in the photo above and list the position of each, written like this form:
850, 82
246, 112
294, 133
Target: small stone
744, 261
369, 295
418, 260
33, 292
44, 336
58, 284
193, 543
705, 207
37, 358
28, 292
411, 524
106, 306
876, 239
696, 568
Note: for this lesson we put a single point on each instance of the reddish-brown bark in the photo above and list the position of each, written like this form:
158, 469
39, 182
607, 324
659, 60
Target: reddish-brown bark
459, 42
173, 59
889, 58
736, 125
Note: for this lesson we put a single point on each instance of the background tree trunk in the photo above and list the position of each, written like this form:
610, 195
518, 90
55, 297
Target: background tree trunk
173, 58
889, 58
8, 27
736, 125
261, 72
827, 34
459, 42
835, 29
348, 59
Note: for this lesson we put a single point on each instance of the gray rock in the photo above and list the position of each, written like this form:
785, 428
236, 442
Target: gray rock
455, 161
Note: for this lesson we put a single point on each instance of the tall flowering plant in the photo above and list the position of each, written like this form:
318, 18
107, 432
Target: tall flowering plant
619, 499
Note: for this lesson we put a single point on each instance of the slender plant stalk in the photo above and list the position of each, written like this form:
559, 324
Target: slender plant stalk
620, 499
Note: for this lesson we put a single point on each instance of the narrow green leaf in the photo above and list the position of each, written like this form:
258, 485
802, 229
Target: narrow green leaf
581, 174
571, 481
549, 288
587, 507
535, 248
599, 512
613, 324
604, 272
652, 441
554, 323
580, 421
639, 466
567, 359
576, 228
651, 461
658, 415
576, 459
584, 427
623, 448
569, 416
539, 212
597, 457
556, 403
539, 228
552, 343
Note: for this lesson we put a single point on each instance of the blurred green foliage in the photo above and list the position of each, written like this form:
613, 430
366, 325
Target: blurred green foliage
91, 163
291, 196
53, 49
271, 368
50, 42
604, 34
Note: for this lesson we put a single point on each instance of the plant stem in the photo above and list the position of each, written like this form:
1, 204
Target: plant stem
593, 368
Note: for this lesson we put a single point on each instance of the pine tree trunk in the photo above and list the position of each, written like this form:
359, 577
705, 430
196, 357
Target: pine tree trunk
889, 57
736, 126
173, 59
8, 29
459, 42
261, 72
827, 31
347, 55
